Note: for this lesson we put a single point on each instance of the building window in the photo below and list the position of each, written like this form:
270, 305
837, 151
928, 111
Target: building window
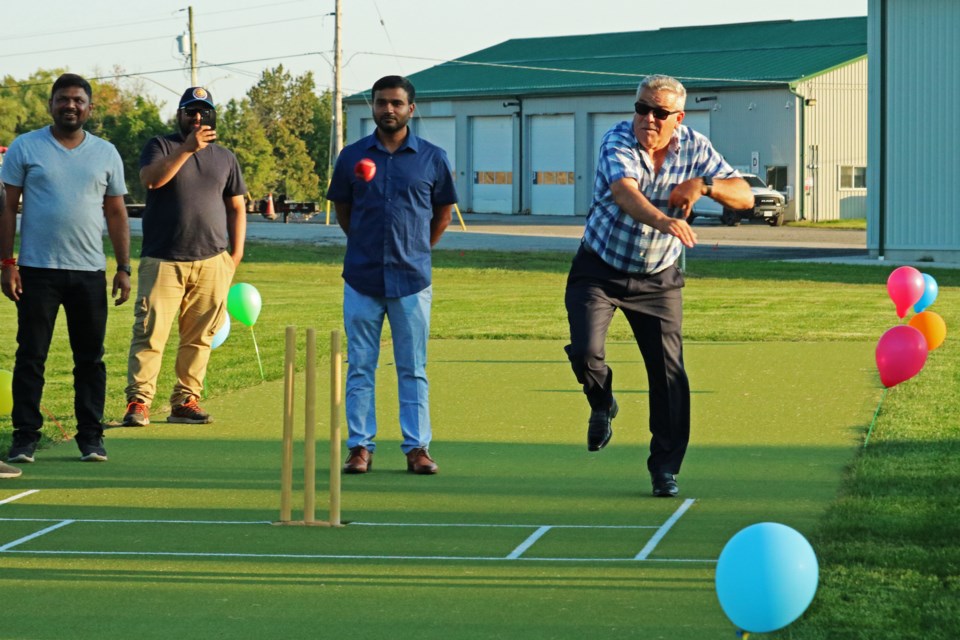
853, 177
777, 178
493, 177
553, 177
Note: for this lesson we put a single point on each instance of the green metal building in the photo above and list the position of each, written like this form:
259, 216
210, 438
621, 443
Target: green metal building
914, 130
522, 121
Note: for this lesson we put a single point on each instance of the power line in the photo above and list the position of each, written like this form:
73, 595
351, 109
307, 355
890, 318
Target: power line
139, 40
88, 29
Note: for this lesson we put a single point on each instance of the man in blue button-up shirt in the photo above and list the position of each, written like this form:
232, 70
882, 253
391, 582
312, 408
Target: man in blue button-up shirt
393, 193
650, 173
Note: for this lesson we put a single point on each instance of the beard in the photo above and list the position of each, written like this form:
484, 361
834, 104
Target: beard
70, 126
391, 125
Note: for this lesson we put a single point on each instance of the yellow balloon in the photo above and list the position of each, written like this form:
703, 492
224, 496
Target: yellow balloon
932, 326
6, 392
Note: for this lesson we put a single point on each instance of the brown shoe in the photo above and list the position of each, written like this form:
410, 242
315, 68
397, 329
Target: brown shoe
420, 462
359, 461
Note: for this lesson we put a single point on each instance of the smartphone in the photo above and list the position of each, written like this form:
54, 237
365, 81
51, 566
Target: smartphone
210, 119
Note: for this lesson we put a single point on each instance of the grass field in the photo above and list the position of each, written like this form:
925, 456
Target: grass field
784, 387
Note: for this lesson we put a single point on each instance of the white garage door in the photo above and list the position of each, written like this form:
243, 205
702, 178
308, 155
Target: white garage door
552, 165
491, 159
698, 121
441, 132
368, 126
600, 123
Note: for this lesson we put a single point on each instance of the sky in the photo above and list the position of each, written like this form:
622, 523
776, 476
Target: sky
379, 37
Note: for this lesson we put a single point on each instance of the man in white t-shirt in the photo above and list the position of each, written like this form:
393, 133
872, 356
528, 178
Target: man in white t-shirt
70, 181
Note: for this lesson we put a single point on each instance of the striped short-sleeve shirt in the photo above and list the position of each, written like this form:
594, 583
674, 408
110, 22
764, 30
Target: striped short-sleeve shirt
621, 241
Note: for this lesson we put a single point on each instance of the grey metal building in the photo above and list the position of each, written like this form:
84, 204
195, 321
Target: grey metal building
522, 121
914, 119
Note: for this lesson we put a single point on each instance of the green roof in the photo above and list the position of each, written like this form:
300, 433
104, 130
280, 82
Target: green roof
730, 55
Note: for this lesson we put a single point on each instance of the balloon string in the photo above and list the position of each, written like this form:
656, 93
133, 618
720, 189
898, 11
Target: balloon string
56, 422
875, 414
257, 349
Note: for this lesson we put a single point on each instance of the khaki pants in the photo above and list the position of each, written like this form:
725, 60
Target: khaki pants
198, 292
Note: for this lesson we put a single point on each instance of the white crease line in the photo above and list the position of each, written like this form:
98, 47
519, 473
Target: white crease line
18, 496
11, 545
512, 526
106, 521
269, 556
526, 544
662, 531
352, 524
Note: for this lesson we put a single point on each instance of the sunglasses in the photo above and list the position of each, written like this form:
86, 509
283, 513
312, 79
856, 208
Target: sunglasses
658, 112
193, 113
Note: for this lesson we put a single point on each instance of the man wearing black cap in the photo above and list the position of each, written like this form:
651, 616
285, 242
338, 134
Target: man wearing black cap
194, 226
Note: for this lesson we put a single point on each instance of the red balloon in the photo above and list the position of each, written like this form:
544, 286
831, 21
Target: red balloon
901, 354
367, 168
905, 287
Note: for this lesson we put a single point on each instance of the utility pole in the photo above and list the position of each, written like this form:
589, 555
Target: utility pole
193, 49
337, 88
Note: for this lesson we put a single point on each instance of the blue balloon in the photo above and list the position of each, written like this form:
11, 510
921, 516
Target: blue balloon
930, 291
767, 576
221, 336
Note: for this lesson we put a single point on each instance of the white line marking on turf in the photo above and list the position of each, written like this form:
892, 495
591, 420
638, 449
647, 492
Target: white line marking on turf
11, 545
662, 531
106, 521
512, 526
191, 554
352, 524
18, 496
526, 544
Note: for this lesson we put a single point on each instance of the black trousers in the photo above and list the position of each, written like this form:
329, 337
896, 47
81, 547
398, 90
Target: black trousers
653, 305
83, 295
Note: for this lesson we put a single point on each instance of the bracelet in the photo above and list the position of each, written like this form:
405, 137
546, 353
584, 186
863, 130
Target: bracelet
8, 262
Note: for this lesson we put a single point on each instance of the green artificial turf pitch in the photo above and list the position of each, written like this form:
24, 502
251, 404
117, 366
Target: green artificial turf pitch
522, 534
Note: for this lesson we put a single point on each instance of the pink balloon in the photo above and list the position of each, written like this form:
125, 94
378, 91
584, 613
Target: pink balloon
901, 354
905, 286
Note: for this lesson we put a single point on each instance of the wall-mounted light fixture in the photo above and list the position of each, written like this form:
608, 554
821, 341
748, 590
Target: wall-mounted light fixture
751, 106
717, 107
810, 102
705, 99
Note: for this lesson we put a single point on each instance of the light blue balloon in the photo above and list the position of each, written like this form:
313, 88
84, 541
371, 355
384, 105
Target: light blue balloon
221, 336
767, 576
930, 291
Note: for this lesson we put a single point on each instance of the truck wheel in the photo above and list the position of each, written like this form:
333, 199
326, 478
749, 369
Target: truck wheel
730, 218
776, 221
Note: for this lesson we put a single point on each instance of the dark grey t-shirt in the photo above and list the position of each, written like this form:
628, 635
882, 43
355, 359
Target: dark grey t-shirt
186, 219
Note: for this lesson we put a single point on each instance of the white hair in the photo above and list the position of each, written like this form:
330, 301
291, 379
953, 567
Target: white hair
665, 83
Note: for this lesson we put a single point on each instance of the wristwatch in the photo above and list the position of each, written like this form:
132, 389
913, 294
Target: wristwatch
708, 183
125, 268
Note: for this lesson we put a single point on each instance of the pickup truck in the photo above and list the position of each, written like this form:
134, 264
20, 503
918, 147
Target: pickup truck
768, 205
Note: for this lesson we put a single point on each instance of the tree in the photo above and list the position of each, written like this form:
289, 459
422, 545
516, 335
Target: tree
284, 107
127, 119
24, 104
318, 142
239, 130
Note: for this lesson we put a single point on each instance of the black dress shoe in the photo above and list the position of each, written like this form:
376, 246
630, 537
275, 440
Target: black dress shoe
664, 485
599, 430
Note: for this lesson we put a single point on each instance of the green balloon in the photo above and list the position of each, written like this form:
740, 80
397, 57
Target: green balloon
6, 392
243, 303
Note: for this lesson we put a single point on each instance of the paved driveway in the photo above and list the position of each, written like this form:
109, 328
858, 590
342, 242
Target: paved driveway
560, 233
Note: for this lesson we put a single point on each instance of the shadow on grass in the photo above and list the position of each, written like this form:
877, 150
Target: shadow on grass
479, 482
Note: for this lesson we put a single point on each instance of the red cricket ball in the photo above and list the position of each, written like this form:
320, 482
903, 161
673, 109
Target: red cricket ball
365, 169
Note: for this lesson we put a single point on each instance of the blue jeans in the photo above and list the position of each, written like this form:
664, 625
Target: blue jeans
410, 325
